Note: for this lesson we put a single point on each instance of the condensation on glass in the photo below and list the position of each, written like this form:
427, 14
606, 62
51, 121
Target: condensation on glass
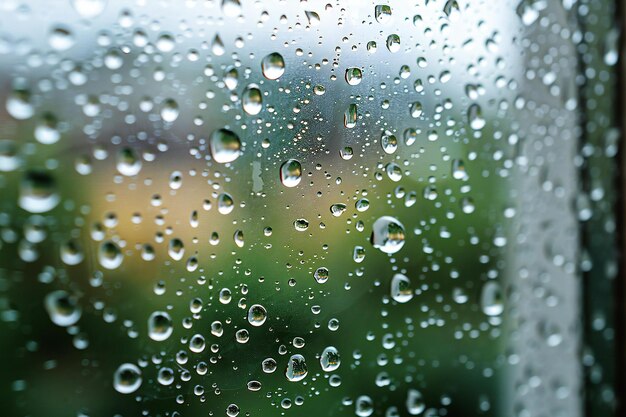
304, 208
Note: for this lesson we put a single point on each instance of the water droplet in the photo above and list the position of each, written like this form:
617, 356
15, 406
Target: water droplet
128, 163
329, 360
257, 314
225, 146
362, 205
451, 8
301, 225
273, 66
176, 249
71, 252
387, 234
9, 159
359, 254
252, 100
354, 76
47, 131
394, 172
197, 343
364, 406
401, 290
165, 42
232, 410
169, 111
346, 153
268, 365
291, 173
416, 109
109, 255
61, 38
467, 205
415, 402
19, 104
474, 117
382, 13
350, 116
159, 326
458, 170
231, 8
165, 376
393, 43
225, 203
389, 142
89, 8
217, 46
242, 336
127, 378
312, 17
296, 368
337, 209
38, 192
491, 299
253, 386
321, 275
62, 308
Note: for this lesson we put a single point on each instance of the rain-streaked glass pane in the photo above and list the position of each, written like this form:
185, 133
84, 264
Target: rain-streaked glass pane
309, 208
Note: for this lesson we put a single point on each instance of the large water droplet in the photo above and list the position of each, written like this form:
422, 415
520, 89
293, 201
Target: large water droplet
61, 38
127, 378
89, 8
491, 299
170, 110
382, 13
257, 314
350, 116
401, 290
159, 326
225, 203
329, 360
47, 131
296, 368
364, 406
38, 192
273, 66
389, 142
321, 275
393, 43
387, 234
415, 402
474, 117
231, 8
128, 162
252, 100
62, 308
109, 255
354, 76
290, 173
19, 104
225, 146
